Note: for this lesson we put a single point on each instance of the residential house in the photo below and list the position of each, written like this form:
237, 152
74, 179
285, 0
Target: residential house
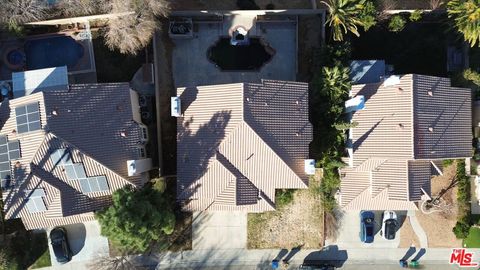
238, 143
408, 125
65, 150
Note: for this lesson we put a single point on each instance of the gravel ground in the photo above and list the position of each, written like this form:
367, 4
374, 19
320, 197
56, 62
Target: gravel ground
438, 226
298, 224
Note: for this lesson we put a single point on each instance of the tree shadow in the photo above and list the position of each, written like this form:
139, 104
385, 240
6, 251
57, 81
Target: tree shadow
194, 151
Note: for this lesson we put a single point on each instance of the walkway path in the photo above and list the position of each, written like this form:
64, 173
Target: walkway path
417, 228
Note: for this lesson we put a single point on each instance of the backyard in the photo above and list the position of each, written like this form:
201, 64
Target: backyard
297, 222
421, 47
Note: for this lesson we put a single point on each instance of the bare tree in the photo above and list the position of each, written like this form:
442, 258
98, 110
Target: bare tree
114, 263
70, 8
435, 4
130, 33
16, 12
384, 6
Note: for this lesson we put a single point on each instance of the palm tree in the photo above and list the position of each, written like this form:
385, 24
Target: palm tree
466, 15
343, 16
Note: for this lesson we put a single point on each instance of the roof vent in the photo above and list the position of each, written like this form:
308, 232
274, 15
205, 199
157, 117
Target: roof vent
430, 129
123, 134
248, 99
392, 80
266, 104
55, 112
400, 126
297, 134
430, 93
297, 102
14, 131
399, 90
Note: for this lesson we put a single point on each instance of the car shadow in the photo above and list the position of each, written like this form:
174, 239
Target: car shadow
76, 234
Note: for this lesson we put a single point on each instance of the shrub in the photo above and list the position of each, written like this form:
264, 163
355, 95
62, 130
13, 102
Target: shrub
284, 197
396, 24
368, 15
461, 230
416, 16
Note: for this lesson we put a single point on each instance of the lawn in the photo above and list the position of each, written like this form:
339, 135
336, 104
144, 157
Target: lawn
473, 238
24, 249
419, 48
43, 261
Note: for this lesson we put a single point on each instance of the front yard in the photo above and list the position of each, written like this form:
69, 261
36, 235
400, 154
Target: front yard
438, 225
297, 223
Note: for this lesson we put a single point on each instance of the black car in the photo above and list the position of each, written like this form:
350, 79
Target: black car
59, 242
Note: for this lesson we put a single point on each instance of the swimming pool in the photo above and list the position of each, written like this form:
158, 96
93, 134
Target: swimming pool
52, 52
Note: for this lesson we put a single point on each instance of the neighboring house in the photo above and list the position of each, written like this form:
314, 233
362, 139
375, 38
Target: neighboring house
408, 126
238, 143
64, 151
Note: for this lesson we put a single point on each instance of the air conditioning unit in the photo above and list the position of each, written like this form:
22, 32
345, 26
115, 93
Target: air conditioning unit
355, 104
310, 166
176, 106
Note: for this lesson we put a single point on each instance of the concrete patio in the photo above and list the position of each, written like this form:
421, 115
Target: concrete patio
192, 67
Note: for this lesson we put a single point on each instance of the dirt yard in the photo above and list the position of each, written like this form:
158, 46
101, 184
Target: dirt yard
298, 224
438, 225
408, 237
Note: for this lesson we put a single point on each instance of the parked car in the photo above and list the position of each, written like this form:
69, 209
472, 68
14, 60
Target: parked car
60, 246
367, 226
389, 225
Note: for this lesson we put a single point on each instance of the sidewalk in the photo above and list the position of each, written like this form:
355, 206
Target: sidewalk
361, 256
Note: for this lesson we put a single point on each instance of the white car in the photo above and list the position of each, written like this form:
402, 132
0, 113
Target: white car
389, 225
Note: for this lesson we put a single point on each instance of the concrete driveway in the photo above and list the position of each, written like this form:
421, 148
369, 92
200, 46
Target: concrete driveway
85, 242
349, 229
219, 230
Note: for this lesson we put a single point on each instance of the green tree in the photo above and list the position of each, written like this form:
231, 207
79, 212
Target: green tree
397, 23
343, 16
466, 17
137, 218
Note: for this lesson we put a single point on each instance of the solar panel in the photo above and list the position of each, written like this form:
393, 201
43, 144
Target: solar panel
36, 204
61, 157
28, 118
13, 150
94, 184
75, 171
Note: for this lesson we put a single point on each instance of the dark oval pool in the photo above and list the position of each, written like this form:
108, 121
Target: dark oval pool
245, 57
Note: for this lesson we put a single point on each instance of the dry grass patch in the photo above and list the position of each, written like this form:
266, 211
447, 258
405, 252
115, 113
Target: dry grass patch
297, 224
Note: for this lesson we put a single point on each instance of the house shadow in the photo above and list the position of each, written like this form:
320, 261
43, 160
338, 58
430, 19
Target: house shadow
329, 255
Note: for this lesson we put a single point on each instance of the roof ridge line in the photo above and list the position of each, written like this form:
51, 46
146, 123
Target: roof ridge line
276, 154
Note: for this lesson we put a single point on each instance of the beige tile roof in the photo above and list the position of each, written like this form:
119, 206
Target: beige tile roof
88, 121
393, 146
237, 143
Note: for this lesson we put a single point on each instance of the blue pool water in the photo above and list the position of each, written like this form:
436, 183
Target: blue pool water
52, 52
